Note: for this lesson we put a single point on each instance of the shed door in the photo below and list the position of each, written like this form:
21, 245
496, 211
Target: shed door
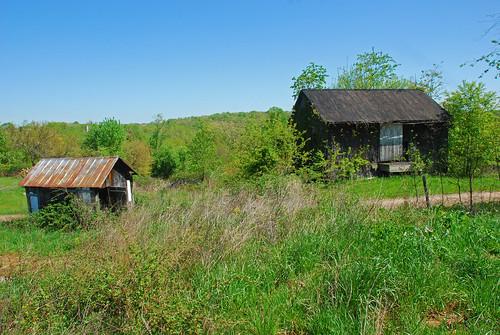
33, 202
391, 142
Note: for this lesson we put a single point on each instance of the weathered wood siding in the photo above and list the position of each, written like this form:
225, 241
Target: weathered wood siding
391, 142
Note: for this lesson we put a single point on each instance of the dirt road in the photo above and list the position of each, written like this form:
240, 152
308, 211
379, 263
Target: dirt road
437, 199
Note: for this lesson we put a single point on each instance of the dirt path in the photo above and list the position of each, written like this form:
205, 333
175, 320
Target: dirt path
11, 217
437, 199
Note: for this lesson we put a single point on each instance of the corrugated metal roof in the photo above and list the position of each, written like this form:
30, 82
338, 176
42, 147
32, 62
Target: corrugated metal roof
374, 106
88, 172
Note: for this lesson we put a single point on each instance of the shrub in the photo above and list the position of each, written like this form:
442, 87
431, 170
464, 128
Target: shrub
66, 214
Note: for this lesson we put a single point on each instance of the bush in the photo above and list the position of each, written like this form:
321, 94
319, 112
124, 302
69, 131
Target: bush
66, 214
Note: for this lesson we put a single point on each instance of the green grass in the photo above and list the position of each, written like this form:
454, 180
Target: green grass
12, 197
36, 241
279, 257
404, 186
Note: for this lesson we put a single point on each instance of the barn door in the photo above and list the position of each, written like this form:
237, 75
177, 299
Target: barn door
391, 142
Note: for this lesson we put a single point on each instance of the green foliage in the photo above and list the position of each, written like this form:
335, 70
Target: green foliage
431, 82
105, 138
474, 135
273, 147
203, 152
350, 164
337, 165
372, 70
138, 154
63, 214
492, 59
167, 161
11, 159
312, 77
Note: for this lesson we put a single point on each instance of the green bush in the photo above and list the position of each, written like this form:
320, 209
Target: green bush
66, 214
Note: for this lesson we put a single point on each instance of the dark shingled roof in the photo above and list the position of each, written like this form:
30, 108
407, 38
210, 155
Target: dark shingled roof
73, 172
374, 106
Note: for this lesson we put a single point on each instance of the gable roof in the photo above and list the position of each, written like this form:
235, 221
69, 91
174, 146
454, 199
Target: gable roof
374, 106
88, 172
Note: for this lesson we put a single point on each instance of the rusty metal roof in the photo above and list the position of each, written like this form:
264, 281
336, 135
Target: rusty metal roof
374, 106
88, 172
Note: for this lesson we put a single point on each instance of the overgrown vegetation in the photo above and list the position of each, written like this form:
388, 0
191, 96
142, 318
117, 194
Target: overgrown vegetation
269, 256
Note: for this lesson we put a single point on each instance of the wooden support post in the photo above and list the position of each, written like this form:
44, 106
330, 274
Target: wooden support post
426, 192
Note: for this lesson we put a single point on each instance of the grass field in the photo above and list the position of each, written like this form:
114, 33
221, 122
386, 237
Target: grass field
12, 197
404, 186
275, 256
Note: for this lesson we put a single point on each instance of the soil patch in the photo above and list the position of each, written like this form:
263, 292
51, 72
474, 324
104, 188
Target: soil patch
5, 218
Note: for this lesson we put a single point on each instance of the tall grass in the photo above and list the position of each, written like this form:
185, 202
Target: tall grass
272, 257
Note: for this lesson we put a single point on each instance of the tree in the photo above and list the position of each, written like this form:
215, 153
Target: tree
431, 82
105, 138
203, 152
138, 154
372, 70
492, 59
166, 162
159, 124
313, 77
272, 147
36, 140
473, 138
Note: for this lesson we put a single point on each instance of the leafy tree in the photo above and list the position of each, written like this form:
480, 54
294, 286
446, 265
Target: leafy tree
105, 138
431, 82
473, 138
313, 77
372, 70
36, 140
138, 154
274, 147
11, 159
166, 162
159, 124
203, 152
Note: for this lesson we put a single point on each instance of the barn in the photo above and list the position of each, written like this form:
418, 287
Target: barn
103, 182
382, 123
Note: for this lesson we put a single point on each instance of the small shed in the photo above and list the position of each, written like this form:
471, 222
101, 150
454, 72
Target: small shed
104, 182
383, 123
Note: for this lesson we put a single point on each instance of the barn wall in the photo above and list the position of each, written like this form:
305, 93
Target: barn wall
309, 123
356, 137
430, 139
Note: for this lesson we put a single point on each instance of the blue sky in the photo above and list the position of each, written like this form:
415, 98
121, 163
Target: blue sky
87, 60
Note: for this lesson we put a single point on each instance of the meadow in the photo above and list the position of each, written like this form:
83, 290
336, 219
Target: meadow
12, 197
273, 255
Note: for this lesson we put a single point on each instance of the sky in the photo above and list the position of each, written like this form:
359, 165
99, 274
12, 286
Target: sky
88, 60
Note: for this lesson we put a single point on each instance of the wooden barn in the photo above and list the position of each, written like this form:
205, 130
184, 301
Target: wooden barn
104, 182
383, 123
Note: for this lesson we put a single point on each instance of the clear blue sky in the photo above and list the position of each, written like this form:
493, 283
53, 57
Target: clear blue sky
87, 60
